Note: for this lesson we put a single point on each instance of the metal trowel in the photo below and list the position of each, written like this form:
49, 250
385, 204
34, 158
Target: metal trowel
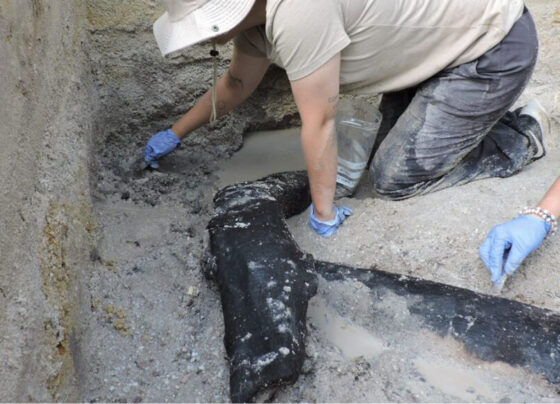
138, 167
499, 284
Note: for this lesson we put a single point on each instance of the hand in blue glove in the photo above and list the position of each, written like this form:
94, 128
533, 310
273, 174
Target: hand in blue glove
159, 145
326, 229
512, 241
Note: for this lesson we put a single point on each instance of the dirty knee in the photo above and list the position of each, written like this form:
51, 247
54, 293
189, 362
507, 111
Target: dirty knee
381, 177
387, 180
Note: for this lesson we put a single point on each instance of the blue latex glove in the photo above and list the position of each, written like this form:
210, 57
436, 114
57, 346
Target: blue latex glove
326, 229
159, 145
511, 242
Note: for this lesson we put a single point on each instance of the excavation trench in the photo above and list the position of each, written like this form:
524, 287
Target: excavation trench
103, 296
148, 289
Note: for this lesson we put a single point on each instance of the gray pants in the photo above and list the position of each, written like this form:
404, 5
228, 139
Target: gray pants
455, 127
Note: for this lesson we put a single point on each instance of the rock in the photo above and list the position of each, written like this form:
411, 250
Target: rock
193, 291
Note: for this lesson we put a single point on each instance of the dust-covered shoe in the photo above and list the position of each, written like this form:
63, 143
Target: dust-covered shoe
536, 135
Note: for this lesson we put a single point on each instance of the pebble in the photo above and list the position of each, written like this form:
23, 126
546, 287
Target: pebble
193, 291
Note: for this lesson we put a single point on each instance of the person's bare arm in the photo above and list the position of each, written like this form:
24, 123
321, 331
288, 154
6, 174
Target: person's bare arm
316, 97
551, 200
235, 86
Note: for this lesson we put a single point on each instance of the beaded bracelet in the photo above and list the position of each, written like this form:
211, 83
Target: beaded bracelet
544, 215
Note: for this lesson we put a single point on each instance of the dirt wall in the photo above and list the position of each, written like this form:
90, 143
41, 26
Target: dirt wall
44, 194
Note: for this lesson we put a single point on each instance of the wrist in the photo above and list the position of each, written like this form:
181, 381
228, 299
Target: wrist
173, 137
551, 208
177, 132
321, 215
324, 215
546, 224
549, 219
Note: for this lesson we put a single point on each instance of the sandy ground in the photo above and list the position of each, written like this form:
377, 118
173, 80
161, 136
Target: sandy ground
366, 348
154, 325
437, 236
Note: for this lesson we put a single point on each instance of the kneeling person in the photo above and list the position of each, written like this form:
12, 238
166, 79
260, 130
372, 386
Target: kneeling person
449, 72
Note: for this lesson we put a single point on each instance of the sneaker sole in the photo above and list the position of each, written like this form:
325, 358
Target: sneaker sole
535, 110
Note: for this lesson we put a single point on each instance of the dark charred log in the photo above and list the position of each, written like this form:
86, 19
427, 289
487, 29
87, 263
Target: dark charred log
265, 281
492, 328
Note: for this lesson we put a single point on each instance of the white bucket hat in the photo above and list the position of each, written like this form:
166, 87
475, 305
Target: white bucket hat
188, 22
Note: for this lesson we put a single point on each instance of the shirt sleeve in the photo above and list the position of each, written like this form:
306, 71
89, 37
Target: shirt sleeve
307, 34
252, 42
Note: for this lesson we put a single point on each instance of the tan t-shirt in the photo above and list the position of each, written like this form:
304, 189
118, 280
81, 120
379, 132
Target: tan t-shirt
385, 45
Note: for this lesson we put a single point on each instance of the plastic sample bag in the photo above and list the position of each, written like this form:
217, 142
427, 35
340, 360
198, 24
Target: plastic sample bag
357, 123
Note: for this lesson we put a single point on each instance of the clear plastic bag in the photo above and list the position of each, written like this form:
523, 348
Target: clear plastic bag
357, 123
